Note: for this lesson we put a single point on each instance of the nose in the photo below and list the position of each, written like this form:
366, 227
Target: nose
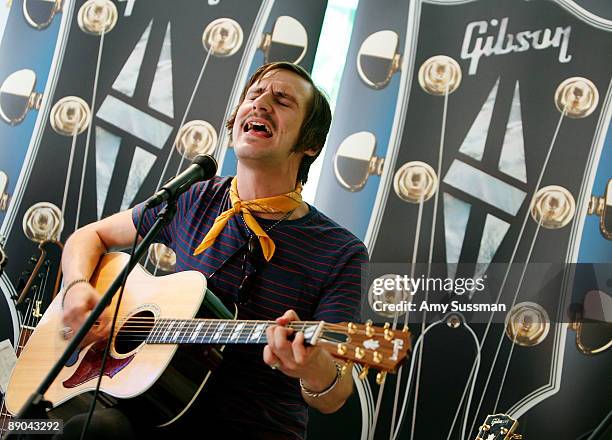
262, 102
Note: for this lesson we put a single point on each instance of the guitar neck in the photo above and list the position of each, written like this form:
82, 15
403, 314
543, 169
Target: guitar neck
221, 331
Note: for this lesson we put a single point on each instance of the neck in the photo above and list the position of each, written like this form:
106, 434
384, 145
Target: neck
221, 331
258, 183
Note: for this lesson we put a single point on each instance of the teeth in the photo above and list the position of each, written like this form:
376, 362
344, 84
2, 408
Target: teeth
251, 125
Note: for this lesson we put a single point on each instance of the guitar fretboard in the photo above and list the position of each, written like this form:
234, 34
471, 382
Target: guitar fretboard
212, 331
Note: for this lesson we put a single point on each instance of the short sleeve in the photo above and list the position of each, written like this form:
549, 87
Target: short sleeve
168, 233
340, 299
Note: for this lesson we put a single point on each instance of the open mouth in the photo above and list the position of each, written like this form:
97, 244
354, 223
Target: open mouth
257, 128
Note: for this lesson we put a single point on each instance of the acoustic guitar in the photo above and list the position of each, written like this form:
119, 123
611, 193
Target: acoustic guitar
153, 359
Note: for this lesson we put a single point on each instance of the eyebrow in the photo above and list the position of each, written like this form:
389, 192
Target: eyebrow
260, 89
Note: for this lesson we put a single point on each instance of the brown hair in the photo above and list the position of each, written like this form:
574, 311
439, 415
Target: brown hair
315, 126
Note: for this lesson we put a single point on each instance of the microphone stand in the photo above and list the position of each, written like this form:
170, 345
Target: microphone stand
36, 405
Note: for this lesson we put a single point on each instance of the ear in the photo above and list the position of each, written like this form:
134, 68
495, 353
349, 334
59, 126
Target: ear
312, 152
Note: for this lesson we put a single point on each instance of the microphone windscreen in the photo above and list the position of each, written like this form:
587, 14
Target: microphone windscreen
207, 163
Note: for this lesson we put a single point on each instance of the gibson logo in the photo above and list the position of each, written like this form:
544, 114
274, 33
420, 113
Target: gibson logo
496, 421
475, 48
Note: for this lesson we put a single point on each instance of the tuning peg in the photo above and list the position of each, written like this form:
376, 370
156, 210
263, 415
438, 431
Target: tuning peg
364, 373
369, 329
287, 32
342, 349
356, 160
4, 196
406, 329
352, 328
359, 352
39, 16
97, 17
377, 357
380, 377
388, 334
602, 207
387, 326
517, 436
485, 427
222, 37
70, 116
347, 367
18, 96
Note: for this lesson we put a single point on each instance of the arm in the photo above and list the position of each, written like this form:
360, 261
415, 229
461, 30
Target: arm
314, 366
79, 259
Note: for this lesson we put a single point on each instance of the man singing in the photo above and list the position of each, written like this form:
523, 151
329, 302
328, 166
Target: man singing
262, 248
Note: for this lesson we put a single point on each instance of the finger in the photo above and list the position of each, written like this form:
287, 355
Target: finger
282, 347
270, 359
299, 351
102, 329
288, 316
74, 317
270, 336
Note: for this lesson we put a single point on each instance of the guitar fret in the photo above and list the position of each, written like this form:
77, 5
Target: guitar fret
206, 339
203, 338
188, 330
237, 331
178, 331
247, 337
219, 331
309, 330
156, 335
168, 329
259, 331
195, 332
227, 331
185, 331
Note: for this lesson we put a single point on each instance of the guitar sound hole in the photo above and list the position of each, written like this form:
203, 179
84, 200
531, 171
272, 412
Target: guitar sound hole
134, 331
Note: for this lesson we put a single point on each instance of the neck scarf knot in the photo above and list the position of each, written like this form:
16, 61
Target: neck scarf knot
281, 204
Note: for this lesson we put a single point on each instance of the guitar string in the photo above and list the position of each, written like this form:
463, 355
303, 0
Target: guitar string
3, 410
513, 255
415, 248
416, 346
21, 341
89, 127
501, 339
184, 117
69, 173
185, 113
128, 329
429, 260
223, 335
230, 324
471, 379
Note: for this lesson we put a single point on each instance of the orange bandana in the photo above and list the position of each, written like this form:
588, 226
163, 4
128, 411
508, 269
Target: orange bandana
281, 204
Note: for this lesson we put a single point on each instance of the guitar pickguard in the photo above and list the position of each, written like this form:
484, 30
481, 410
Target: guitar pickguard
89, 367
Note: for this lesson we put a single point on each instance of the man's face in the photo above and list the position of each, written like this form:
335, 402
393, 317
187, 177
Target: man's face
268, 121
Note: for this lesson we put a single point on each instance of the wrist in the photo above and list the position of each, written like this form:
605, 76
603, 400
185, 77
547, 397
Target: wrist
322, 384
70, 285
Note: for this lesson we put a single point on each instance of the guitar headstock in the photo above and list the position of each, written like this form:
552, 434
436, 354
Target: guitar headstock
378, 347
40, 281
498, 427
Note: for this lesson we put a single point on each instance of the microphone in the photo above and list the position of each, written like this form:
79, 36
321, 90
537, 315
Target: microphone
203, 167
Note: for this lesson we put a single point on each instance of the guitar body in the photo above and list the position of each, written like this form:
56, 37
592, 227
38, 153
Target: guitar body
162, 380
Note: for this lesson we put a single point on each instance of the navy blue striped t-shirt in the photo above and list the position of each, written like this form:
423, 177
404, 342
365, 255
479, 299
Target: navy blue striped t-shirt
316, 271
